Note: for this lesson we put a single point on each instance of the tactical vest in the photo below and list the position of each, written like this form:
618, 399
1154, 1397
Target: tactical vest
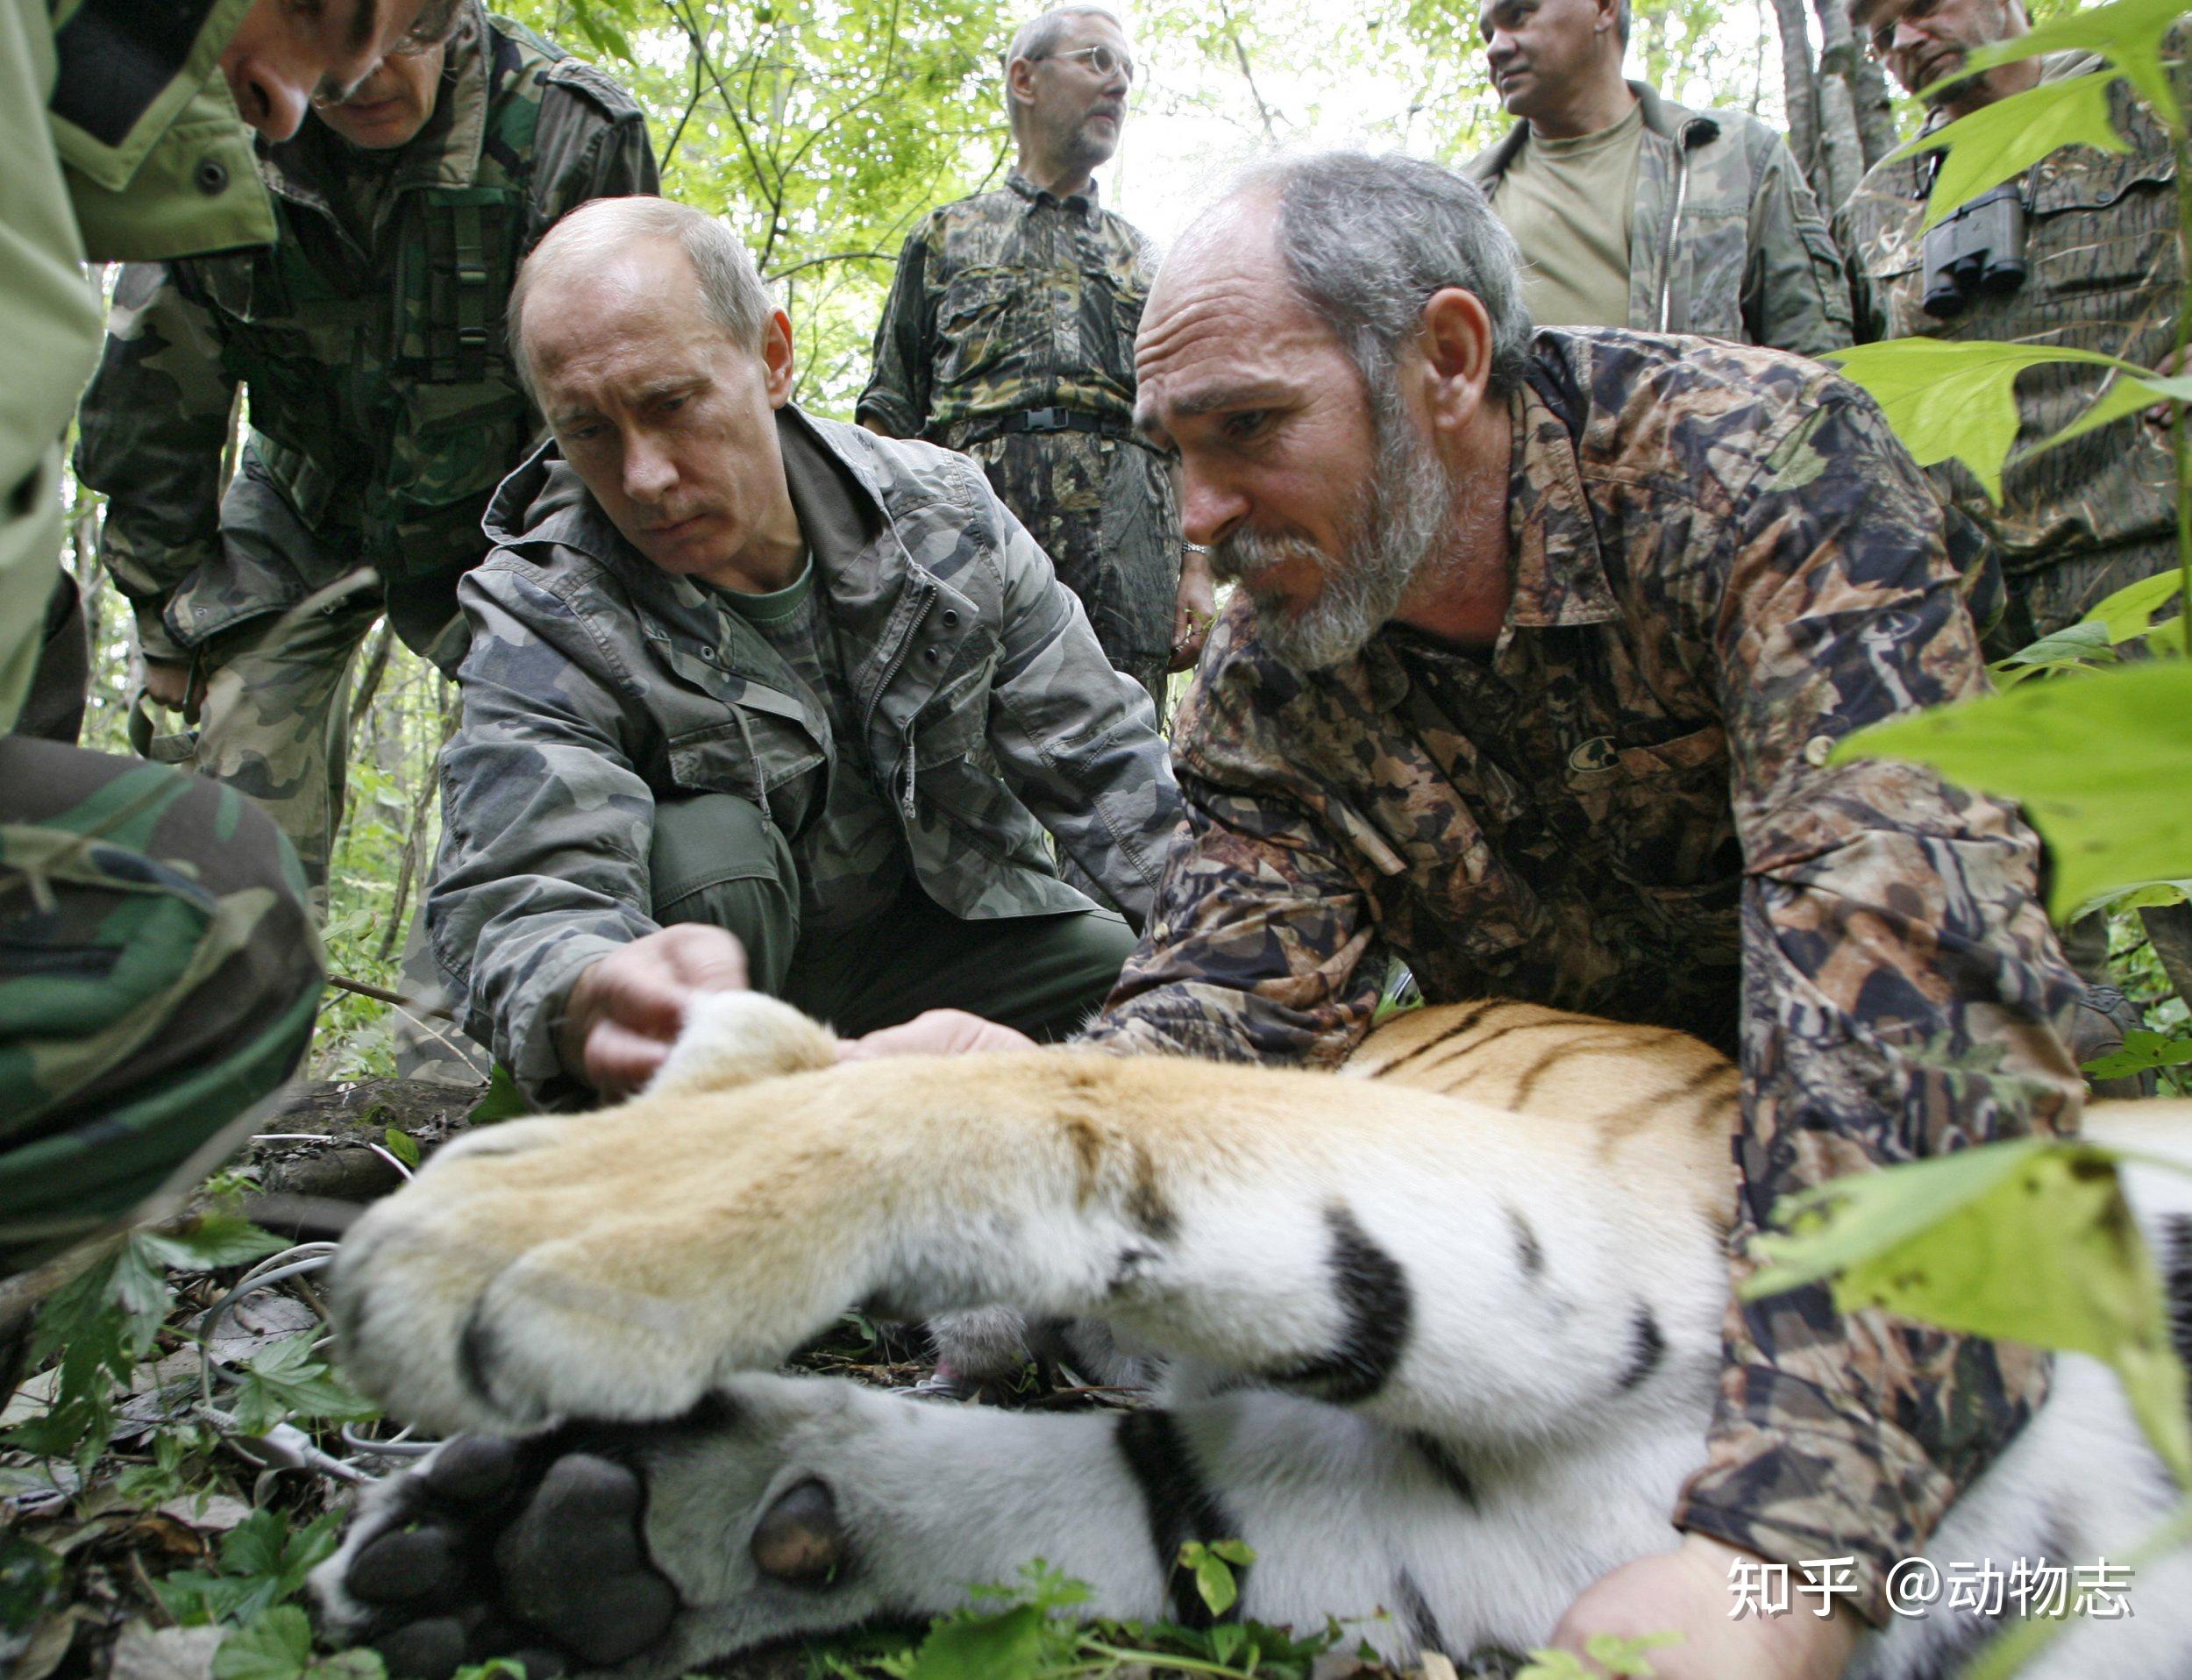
383, 401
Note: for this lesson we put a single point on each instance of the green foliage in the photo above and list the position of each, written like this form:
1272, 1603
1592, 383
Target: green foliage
2000, 141
1026, 1631
402, 1145
278, 1646
1616, 1656
29, 1576
2030, 1242
284, 1381
263, 1563
2142, 1050
103, 1322
501, 1100
2128, 35
1212, 1566
2100, 768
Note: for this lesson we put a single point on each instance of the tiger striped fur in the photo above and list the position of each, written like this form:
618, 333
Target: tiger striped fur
1440, 1337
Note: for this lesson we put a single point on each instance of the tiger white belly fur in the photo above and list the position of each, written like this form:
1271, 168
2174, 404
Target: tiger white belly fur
1440, 1343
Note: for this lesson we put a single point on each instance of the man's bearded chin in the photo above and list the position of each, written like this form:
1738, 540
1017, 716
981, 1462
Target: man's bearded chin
1402, 525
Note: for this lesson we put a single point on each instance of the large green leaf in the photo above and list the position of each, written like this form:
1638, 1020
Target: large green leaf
2027, 1242
2128, 33
2102, 766
2001, 141
1953, 401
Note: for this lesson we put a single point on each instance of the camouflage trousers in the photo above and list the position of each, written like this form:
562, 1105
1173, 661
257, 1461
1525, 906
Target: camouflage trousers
1102, 508
2052, 598
716, 860
158, 974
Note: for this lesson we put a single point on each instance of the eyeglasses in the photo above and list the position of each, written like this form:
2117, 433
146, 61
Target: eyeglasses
1883, 35
1102, 59
436, 22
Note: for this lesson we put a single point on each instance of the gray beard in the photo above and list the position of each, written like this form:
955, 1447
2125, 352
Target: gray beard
1404, 520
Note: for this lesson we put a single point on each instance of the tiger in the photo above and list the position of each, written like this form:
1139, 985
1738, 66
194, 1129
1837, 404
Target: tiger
1439, 1337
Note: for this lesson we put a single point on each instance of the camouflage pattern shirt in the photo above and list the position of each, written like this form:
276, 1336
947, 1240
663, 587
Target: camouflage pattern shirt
1018, 300
1727, 240
383, 405
597, 681
2102, 273
1722, 564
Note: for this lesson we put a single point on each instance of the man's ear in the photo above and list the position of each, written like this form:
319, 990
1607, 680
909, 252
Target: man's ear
776, 360
1020, 86
1456, 344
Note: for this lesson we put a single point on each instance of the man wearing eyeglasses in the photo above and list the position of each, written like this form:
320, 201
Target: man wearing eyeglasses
158, 969
1009, 334
383, 407
2079, 252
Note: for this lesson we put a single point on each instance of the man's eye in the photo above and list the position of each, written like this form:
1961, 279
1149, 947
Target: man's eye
1247, 423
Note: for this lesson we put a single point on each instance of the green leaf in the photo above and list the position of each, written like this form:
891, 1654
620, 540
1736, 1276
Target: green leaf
2080, 644
2001, 141
986, 1647
403, 1146
1556, 1665
1215, 1583
284, 1381
2142, 1050
2028, 1242
2100, 767
2130, 611
1625, 1654
1235, 1551
276, 1645
2153, 895
1954, 402
2129, 34
211, 1242
501, 1100
29, 1574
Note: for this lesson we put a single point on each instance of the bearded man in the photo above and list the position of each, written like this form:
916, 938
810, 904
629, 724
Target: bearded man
1545, 710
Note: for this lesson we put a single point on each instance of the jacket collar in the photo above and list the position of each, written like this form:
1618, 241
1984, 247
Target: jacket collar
445, 153
1663, 117
1560, 576
1086, 201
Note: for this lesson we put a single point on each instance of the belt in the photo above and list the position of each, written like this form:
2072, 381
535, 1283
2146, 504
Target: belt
1060, 420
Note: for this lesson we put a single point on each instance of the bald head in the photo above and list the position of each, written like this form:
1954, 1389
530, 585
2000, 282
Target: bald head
610, 249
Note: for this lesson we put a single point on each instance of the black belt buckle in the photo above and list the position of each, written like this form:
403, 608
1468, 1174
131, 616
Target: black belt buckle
1043, 420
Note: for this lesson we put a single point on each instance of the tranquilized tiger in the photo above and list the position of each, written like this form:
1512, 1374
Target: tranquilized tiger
1440, 1344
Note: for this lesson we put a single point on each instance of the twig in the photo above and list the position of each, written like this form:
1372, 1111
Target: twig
382, 994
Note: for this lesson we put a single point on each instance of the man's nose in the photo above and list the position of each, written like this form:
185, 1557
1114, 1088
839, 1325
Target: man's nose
1907, 35
1211, 508
1498, 47
650, 473
271, 96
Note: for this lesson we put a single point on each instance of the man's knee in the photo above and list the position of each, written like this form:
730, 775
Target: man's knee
158, 975
716, 860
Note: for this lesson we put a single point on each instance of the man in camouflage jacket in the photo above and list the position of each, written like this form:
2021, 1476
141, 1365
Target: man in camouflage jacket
1542, 647
383, 409
1009, 334
1724, 238
2103, 273
835, 723
159, 973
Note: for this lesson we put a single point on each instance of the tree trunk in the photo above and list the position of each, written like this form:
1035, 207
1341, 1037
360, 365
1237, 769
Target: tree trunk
1799, 88
1841, 144
1875, 110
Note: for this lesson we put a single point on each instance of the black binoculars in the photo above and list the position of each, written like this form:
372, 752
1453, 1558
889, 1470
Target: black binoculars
1978, 251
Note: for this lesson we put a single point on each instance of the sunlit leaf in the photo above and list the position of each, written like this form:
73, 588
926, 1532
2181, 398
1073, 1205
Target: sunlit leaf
2132, 611
2142, 1050
2129, 34
2026, 1241
1952, 402
2100, 766
2000, 141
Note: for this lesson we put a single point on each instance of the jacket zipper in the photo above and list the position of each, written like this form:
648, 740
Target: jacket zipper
1674, 229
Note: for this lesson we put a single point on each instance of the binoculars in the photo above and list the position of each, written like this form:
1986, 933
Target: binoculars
1978, 251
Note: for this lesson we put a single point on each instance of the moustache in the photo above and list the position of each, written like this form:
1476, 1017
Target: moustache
1246, 555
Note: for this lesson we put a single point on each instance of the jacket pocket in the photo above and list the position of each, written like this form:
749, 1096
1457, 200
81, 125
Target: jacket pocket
1660, 810
754, 754
974, 318
2108, 224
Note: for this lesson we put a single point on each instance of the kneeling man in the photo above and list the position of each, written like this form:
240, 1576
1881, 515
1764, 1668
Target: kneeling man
756, 698
1541, 648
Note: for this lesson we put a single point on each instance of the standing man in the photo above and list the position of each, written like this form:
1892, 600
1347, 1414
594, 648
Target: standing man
1633, 211
383, 407
158, 972
1009, 336
2089, 261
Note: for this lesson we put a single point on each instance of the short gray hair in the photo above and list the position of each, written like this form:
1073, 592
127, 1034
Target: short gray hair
733, 295
1621, 22
1367, 241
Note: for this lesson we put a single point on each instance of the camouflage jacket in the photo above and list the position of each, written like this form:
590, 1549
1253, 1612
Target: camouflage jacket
595, 679
1006, 302
100, 167
1722, 564
383, 405
1727, 240
2103, 273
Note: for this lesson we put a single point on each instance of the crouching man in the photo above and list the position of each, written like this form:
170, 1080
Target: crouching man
758, 699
